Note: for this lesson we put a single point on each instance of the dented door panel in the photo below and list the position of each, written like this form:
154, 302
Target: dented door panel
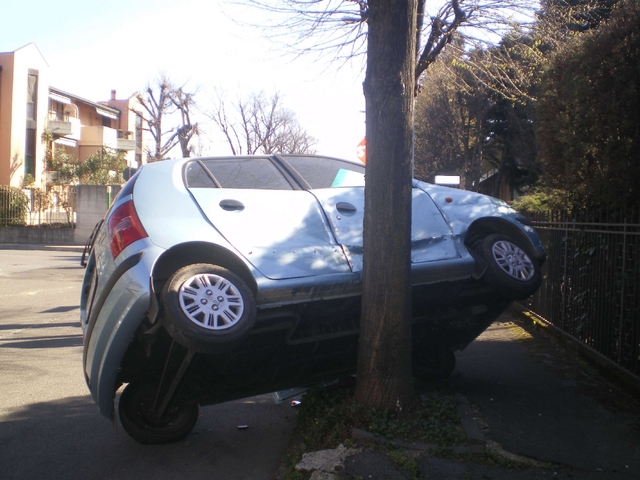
282, 233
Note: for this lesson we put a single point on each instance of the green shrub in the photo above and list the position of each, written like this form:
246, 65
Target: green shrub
542, 201
13, 207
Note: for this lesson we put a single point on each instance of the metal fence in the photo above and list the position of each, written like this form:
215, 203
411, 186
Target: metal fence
591, 286
32, 206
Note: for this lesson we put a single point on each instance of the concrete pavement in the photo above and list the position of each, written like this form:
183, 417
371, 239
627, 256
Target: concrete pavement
535, 402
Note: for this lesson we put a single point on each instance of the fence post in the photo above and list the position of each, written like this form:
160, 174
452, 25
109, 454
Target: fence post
565, 256
624, 268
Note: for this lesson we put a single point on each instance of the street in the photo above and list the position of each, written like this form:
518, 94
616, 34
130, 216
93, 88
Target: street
49, 425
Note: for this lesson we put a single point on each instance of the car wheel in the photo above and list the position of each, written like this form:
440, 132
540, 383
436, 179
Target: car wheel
136, 410
510, 269
433, 362
207, 308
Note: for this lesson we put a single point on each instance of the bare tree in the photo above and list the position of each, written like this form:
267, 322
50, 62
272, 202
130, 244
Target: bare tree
402, 39
339, 28
184, 103
260, 125
162, 101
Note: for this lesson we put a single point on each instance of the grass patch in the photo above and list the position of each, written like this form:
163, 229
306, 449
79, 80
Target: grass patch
327, 416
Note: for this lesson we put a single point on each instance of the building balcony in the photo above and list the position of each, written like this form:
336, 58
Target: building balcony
106, 137
59, 128
125, 141
68, 127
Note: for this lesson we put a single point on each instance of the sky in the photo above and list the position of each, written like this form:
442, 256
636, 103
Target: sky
93, 47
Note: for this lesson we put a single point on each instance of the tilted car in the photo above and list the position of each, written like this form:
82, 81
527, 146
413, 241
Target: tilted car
212, 279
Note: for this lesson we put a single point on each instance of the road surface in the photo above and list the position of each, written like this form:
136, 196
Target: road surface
50, 427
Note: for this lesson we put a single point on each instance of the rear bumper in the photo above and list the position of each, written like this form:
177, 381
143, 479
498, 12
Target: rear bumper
117, 312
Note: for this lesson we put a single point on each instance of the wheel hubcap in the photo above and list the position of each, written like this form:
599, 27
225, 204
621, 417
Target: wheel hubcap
211, 301
513, 260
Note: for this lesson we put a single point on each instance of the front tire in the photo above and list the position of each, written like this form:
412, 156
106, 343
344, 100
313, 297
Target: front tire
207, 308
511, 270
136, 410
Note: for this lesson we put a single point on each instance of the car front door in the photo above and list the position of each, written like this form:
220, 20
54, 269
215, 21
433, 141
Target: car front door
339, 188
281, 231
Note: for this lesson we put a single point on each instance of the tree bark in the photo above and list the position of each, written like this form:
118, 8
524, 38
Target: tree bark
384, 356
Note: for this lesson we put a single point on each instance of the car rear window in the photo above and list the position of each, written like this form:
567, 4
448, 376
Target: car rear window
253, 173
327, 172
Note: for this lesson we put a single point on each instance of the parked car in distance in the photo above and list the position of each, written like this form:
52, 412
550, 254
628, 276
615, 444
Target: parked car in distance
212, 279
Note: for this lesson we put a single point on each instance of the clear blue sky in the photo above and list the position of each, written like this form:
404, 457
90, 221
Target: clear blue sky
93, 47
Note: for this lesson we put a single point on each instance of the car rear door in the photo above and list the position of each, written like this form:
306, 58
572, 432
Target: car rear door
281, 231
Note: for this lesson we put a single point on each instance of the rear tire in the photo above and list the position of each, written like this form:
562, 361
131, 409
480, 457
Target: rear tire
143, 425
207, 308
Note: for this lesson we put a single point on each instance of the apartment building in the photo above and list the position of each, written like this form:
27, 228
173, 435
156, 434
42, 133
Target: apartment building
30, 106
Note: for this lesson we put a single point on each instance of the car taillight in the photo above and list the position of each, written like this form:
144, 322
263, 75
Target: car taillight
124, 228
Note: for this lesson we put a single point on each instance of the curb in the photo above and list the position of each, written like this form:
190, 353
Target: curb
469, 423
39, 246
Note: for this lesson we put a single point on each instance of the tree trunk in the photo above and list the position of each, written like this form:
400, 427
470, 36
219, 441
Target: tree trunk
384, 356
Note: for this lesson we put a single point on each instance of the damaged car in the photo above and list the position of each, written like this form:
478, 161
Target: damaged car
213, 279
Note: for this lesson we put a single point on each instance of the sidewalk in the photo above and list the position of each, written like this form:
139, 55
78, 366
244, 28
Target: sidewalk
534, 402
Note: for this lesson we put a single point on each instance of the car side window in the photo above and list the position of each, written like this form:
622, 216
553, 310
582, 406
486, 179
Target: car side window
253, 173
197, 177
327, 172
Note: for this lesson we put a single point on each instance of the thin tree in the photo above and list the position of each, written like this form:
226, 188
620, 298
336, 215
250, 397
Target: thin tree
162, 101
184, 102
260, 124
396, 35
384, 369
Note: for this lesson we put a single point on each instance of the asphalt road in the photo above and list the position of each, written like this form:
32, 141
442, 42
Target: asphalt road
49, 425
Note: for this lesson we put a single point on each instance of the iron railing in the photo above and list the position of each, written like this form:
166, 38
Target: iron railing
31, 206
591, 286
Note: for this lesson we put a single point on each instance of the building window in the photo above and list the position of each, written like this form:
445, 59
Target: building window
30, 140
138, 131
30, 152
32, 96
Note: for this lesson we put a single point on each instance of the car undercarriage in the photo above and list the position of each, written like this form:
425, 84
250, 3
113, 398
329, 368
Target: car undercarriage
293, 346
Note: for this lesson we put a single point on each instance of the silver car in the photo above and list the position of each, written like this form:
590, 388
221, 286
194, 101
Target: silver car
212, 279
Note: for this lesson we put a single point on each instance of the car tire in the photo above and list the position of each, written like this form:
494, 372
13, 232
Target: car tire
433, 362
207, 308
142, 424
511, 269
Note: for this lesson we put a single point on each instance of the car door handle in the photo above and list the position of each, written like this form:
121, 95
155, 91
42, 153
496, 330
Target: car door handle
346, 208
231, 205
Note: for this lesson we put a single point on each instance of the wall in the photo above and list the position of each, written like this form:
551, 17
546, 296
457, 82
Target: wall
92, 203
38, 235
